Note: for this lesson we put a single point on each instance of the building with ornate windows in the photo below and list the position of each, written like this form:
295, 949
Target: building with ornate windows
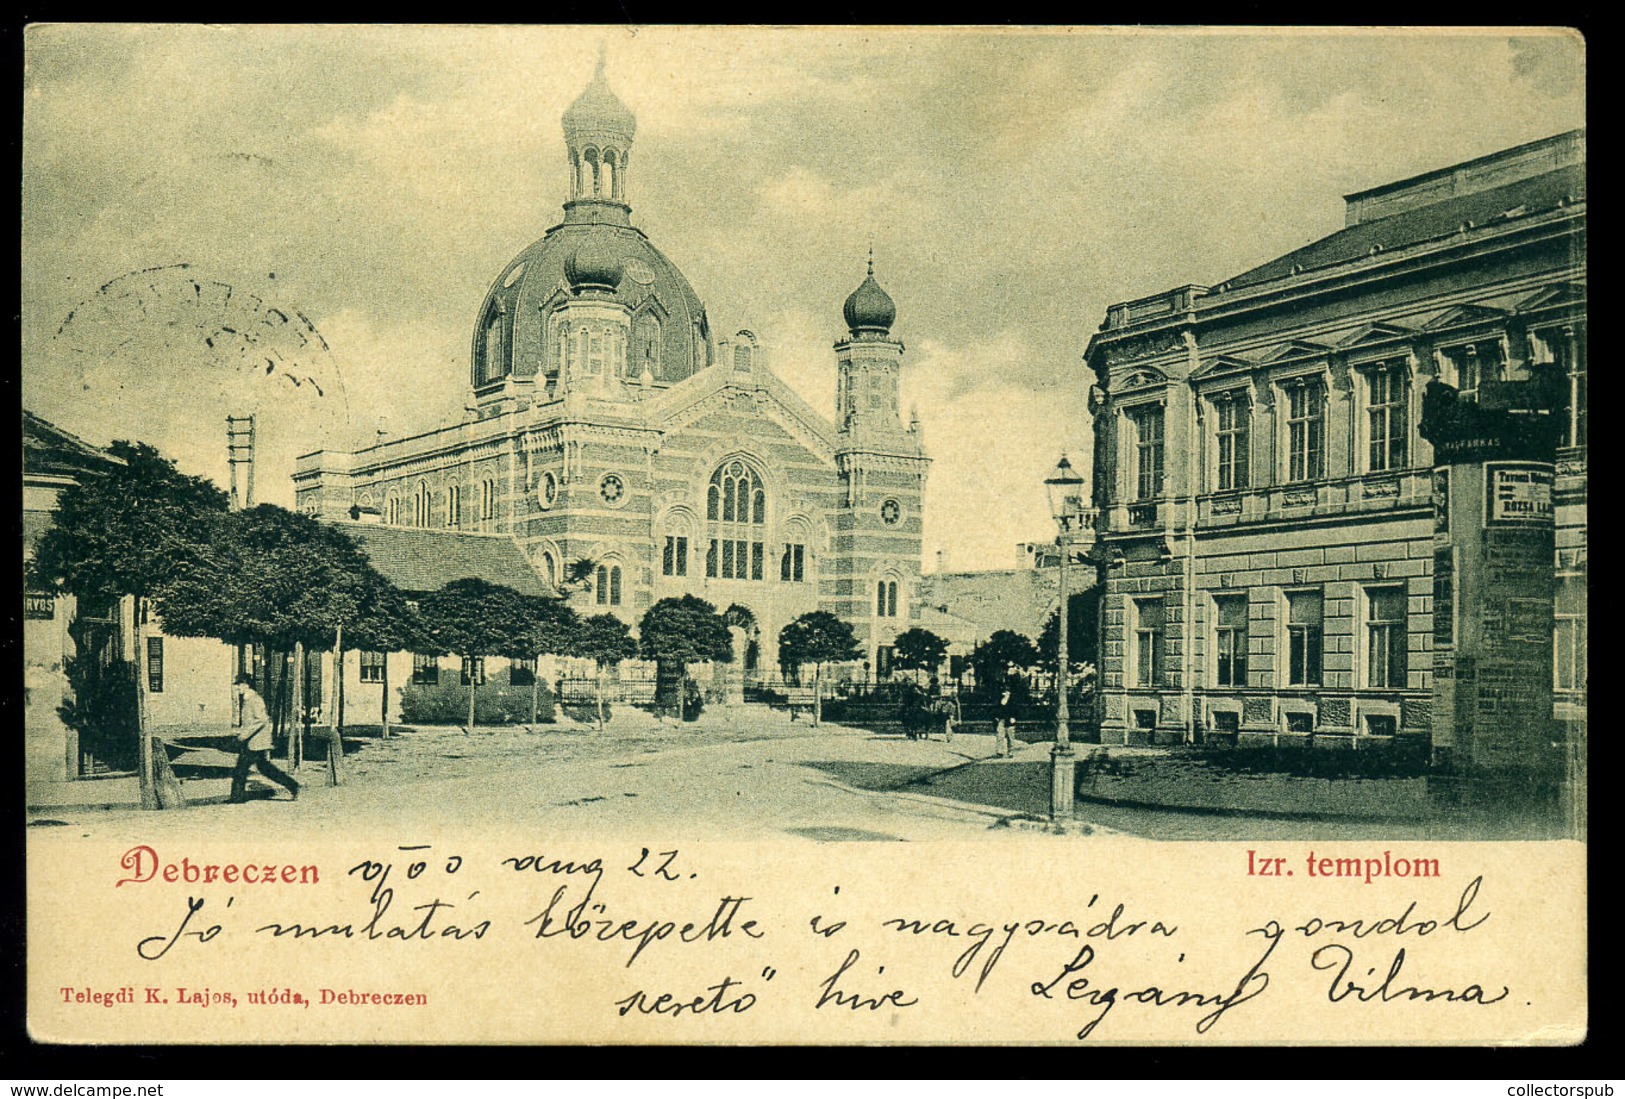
608, 434
1265, 498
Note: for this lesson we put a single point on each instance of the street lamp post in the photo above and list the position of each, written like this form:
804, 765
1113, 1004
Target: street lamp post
1064, 487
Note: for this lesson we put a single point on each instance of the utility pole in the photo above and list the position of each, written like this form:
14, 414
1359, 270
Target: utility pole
240, 452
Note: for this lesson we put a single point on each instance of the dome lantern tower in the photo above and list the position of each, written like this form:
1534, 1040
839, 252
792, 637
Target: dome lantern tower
596, 263
598, 131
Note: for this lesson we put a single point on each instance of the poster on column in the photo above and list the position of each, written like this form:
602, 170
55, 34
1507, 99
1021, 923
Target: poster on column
935, 546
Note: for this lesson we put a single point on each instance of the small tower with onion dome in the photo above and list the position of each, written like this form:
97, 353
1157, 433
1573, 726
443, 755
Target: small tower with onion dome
882, 467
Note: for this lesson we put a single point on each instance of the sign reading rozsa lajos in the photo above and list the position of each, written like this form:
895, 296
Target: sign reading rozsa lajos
1517, 492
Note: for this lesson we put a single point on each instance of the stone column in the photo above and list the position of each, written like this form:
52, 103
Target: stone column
1494, 582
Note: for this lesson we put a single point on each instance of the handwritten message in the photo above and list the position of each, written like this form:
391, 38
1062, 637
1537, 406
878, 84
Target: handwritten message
648, 942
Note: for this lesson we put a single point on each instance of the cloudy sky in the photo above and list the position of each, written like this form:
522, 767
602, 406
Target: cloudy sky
368, 184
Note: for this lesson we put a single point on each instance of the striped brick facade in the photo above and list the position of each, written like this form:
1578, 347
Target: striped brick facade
603, 426
824, 490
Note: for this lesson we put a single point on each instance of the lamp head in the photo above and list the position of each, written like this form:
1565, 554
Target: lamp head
1065, 489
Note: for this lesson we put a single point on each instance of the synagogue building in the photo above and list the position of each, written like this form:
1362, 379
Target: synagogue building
633, 456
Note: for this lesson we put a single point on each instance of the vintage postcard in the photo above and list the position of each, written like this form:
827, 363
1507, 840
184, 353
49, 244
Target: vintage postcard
828, 535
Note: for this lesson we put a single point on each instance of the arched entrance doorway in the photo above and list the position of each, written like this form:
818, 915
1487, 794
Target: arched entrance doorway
749, 641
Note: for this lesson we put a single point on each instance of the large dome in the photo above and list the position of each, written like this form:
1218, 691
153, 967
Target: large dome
669, 328
596, 249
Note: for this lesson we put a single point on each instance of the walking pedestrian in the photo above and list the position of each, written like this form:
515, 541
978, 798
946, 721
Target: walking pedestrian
254, 744
948, 710
1005, 730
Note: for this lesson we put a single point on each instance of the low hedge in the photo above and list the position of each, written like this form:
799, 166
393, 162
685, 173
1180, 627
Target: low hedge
587, 711
494, 704
1402, 757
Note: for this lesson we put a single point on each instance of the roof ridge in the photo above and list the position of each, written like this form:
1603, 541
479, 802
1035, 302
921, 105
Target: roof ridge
47, 425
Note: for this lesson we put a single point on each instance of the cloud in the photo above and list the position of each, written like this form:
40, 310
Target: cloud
1012, 183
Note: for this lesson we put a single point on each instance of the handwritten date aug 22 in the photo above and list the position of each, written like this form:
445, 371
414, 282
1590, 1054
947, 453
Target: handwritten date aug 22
1354, 958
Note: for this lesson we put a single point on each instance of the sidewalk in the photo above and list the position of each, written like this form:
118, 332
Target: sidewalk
118, 792
112, 792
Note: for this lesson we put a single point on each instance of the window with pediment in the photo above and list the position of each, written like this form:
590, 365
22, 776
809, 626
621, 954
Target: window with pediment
1470, 365
1565, 349
1232, 426
1146, 431
1305, 428
1387, 415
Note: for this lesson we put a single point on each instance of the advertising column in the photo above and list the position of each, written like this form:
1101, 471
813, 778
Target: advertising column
1494, 582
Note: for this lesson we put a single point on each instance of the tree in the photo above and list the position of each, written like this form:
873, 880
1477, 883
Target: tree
817, 638
578, 574
385, 624
276, 578
553, 626
273, 577
676, 632
995, 658
605, 640
475, 618
125, 532
1083, 613
917, 649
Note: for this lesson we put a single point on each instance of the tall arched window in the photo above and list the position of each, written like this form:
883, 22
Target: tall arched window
560, 343
608, 585
392, 511
736, 508
647, 348
589, 172
420, 505
886, 599
488, 502
454, 506
492, 361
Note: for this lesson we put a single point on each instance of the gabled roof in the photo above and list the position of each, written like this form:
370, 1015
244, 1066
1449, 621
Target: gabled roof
1296, 349
1463, 315
673, 408
1378, 333
1222, 364
49, 449
1522, 198
1568, 293
416, 559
